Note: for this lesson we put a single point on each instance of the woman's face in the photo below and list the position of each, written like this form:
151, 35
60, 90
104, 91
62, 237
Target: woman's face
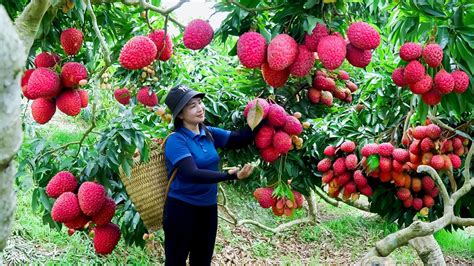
193, 112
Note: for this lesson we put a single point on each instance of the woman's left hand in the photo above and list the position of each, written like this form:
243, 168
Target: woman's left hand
245, 172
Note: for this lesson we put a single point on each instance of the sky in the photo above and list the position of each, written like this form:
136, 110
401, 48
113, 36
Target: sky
193, 10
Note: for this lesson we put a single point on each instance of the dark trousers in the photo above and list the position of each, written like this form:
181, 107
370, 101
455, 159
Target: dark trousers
189, 230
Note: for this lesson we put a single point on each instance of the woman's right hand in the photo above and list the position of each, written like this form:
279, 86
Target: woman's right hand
245, 172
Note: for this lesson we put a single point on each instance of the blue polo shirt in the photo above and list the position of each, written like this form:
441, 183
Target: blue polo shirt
184, 143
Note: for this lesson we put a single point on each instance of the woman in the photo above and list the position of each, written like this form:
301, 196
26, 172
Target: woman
190, 215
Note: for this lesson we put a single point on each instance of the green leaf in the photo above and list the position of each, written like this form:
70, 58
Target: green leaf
310, 3
373, 162
255, 115
45, 200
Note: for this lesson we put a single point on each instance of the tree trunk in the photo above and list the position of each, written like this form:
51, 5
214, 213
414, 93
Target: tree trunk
428, 250
12, 58
27, 24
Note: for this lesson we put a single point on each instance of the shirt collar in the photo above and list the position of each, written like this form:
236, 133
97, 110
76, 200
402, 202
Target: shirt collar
191, 134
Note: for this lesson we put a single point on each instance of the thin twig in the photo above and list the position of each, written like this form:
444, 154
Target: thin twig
103, 44
443, 125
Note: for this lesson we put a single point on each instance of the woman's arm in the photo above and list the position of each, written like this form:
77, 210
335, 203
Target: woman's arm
189, 171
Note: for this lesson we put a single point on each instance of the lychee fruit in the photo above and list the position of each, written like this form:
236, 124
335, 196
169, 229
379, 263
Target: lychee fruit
432, 97
326, 98
367, 190
78, 223
422, 86
339, 166
71, 41
427, 145
43, 83
106, 238
251, 49
414, 72
401, 155
343, 75
164, 45
72, 73
348, 146
357, 57
312, 40
264, 137
314, 95
264, 197
324, 165
282, 142
137, 53
275, 78
437, 162
386, 149
461, 81
282, 52
403, 193
443, 82
65, 208
147, 97
427, 183
198, 34
122, 96
269, 154
398, 77
69, 102
46, 59
292, 126
106, 213
369, 149
327, 176
303, 63
359, 179
330, 151
433, 55
43, 110
332, 51
62, 182
363, 36
385, 164
324, 83
276, 115
416, 184
351, 161
84, 98
433, 131
91, 198
417, 204
410, 51
408, 202
455, 160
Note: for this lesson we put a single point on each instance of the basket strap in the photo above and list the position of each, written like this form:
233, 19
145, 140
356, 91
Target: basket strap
169, 183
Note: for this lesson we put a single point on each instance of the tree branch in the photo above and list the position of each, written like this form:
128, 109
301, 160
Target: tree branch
280, 228
103, 44
27, 24
463, 221
443, 125
325, 197
468, 181
147, 6
434, 175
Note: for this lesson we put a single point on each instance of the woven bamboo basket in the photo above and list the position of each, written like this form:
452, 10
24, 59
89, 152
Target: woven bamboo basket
147, 188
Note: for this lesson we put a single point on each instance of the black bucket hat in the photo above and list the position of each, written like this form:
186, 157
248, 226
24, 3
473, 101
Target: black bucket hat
178, 97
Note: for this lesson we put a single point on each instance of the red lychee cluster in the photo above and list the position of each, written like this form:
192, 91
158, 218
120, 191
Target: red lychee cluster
284, 56
280, 206
326, 86
414, 75
279, 131
89, 208
339, 171
141, 51
49, 89
427, 145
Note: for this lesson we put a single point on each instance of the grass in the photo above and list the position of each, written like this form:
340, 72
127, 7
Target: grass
456, 243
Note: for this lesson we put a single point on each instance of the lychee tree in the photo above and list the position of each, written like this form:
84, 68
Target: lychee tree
370, 107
